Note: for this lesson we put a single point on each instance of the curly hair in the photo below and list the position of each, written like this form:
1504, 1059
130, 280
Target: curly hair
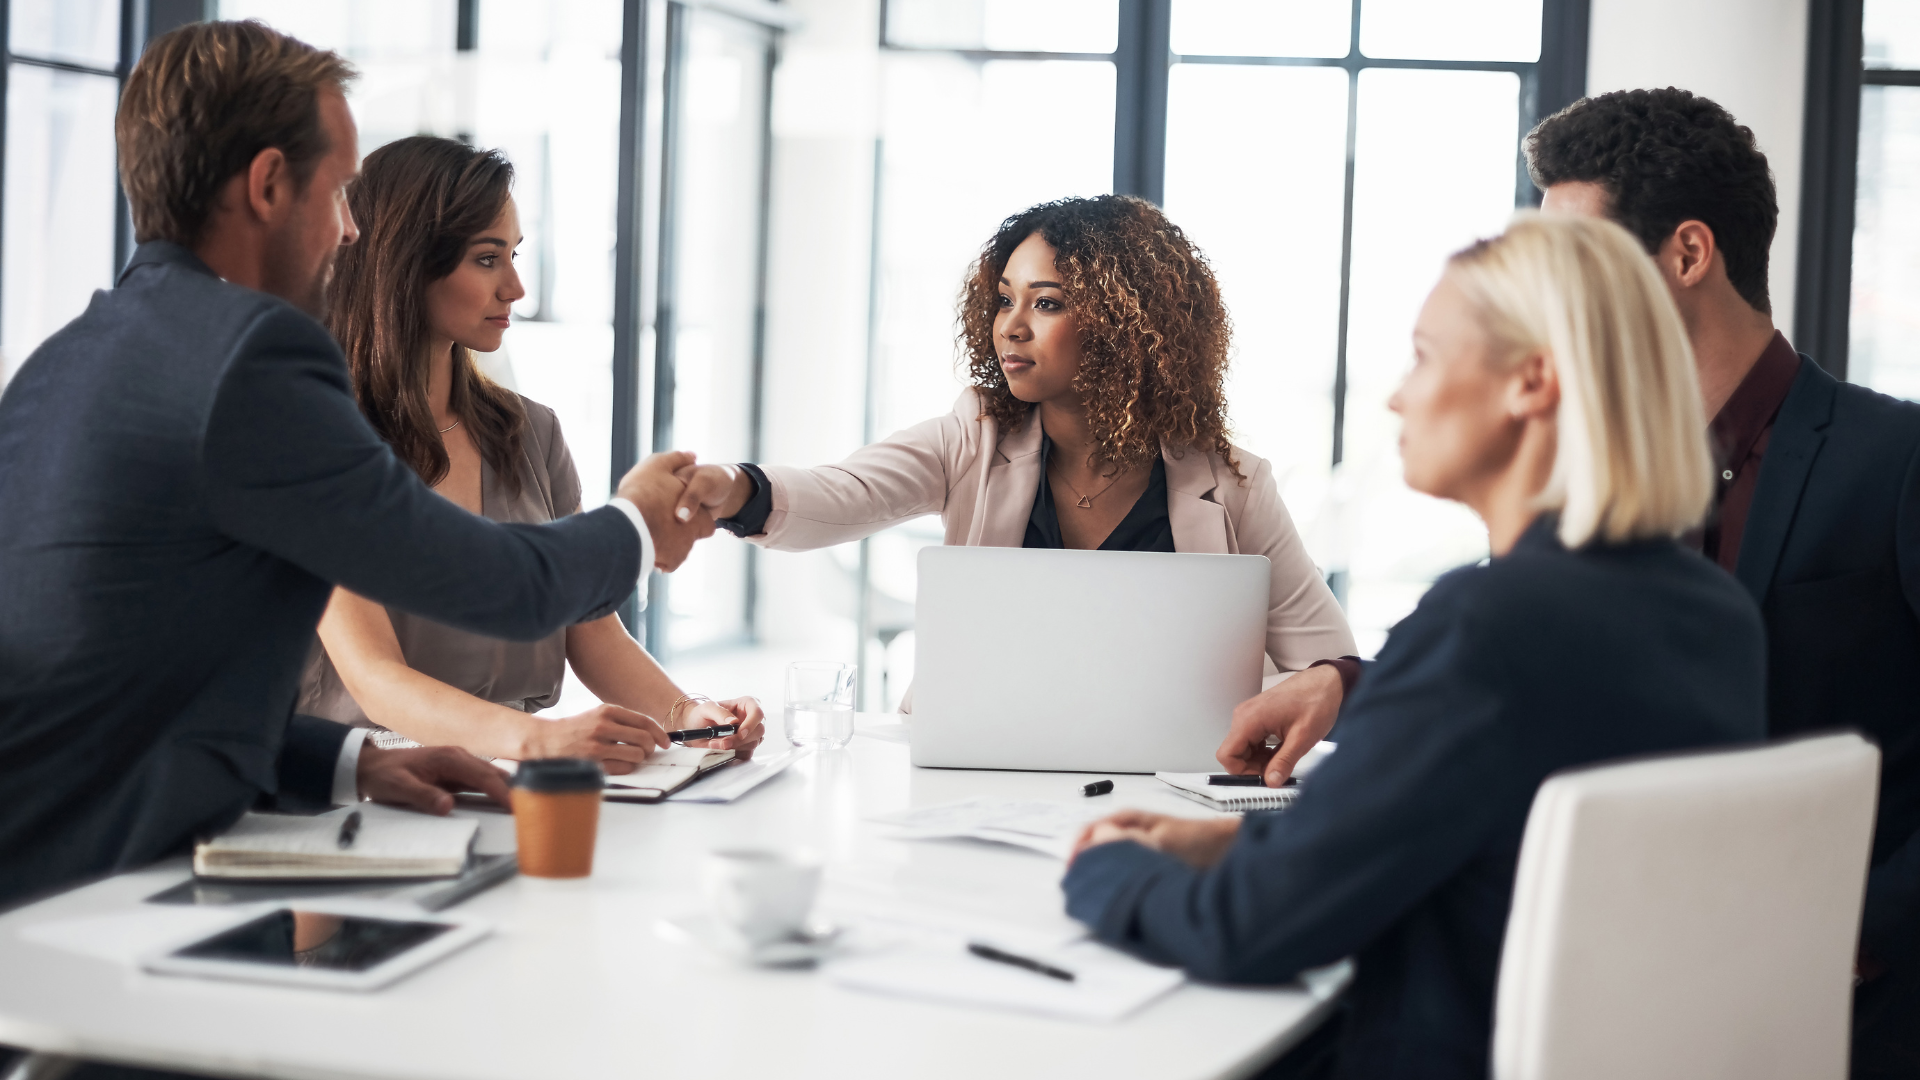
1153, 332
1664, 157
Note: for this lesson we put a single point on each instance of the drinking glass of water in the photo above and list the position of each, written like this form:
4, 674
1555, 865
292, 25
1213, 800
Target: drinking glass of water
820, 703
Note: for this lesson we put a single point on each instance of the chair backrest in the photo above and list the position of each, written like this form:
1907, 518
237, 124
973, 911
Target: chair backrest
1690, 917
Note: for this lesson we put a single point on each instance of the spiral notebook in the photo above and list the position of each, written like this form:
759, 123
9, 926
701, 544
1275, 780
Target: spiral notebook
1232, 799
1194, 786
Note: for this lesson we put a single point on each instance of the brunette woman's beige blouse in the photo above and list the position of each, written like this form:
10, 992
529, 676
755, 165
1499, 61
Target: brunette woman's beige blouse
518, 674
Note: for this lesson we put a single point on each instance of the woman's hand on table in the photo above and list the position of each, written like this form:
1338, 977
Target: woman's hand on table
619, 739
1198, 843
744, 711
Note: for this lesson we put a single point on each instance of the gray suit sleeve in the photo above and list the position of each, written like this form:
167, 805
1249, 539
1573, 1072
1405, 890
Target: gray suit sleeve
292, 468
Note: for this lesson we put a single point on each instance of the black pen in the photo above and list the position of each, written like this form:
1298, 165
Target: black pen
1243, 780
720, 732
349, 829
988, 952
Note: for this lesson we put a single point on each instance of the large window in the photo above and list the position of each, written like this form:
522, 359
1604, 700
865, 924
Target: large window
1326, 155
709, 324
681, 143
1857, 308
59, 232
1884, 345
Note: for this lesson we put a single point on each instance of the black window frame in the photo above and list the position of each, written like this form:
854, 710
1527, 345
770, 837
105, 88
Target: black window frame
646, 269
1143, 60
1837, 75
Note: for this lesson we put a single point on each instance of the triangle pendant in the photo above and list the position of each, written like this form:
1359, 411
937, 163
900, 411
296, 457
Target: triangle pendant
1084, 503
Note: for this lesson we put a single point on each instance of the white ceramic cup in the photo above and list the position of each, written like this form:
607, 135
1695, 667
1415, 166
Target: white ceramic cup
760, 894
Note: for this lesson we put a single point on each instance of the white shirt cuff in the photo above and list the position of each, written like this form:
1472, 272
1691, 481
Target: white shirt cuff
346, 770
646, 540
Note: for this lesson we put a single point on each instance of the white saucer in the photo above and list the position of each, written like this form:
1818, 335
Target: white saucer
810, 946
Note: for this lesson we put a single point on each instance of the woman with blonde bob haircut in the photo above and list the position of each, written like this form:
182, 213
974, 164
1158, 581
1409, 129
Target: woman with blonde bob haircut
1632, 458
1553, 392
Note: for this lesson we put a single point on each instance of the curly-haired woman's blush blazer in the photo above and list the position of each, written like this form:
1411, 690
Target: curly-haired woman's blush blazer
982, 483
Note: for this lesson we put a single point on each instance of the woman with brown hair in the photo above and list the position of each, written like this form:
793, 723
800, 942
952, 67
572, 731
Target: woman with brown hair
431, 282
1097, 346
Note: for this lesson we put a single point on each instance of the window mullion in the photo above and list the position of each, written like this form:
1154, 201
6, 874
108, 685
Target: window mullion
1141, 62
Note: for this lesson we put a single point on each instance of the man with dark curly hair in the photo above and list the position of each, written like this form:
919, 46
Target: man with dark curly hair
1818, 496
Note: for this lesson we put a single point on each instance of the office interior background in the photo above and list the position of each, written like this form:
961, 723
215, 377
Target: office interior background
747, 221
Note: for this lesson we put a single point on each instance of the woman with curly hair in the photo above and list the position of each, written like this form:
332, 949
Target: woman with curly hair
1097, 345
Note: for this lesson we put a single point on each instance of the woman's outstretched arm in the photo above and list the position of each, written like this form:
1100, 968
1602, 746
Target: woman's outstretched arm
359, 639
614, 666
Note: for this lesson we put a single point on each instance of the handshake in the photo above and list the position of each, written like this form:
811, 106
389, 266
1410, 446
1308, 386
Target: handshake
679, 499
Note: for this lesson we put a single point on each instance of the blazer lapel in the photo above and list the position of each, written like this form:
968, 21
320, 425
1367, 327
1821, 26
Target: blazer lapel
1199, 524
1798, 433
1013, 477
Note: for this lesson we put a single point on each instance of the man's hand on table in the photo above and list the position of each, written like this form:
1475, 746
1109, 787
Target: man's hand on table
1298, 712
425, 779
1198, 843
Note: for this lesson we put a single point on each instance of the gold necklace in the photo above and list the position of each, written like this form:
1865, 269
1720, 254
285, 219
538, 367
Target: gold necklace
449, 427
1086, 501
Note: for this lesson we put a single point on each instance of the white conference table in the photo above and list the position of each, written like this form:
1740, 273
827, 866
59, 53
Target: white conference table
576, 981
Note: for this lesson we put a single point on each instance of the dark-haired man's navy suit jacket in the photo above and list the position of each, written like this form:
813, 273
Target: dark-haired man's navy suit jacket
1402, 850
1831, 552
183, 476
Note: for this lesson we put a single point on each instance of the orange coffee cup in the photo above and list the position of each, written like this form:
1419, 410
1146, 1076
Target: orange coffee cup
556, 812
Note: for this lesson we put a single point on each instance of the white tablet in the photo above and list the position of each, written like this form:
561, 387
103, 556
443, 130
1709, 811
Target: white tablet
334, 950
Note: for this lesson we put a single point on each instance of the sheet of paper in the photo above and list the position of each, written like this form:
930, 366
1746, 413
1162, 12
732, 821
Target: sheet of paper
1108, 985
1046, 827
729, 782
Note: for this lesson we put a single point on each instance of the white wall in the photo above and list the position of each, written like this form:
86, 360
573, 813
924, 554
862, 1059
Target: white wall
1748, 55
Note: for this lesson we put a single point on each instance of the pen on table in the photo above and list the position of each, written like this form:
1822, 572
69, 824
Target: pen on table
1039, 967
349, 829
686, 734
1243, 780
1098, 787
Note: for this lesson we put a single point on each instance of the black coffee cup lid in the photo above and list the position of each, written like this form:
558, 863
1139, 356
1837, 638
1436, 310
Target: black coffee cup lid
560, 774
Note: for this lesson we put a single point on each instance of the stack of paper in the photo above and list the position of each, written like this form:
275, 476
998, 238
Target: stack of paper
740, 777
1107, 985
1046, 827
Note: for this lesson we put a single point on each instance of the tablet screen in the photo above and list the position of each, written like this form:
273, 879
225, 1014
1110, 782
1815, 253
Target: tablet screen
312, 939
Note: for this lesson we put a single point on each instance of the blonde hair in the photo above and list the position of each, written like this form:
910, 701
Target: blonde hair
1632, 459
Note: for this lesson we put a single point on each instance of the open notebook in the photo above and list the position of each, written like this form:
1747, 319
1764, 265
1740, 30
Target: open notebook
1236, 799
665, 771
389, 843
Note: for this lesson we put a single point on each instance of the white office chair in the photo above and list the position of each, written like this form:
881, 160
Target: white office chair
1690, 917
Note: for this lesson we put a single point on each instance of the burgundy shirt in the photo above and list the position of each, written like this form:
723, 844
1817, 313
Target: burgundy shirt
1739, 435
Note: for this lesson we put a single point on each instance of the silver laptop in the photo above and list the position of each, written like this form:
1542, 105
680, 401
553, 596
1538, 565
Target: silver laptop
1083, 661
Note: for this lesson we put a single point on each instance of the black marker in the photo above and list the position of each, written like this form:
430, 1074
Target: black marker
1098, 787
720, 732
1243, 780
1038, 967
349, 829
